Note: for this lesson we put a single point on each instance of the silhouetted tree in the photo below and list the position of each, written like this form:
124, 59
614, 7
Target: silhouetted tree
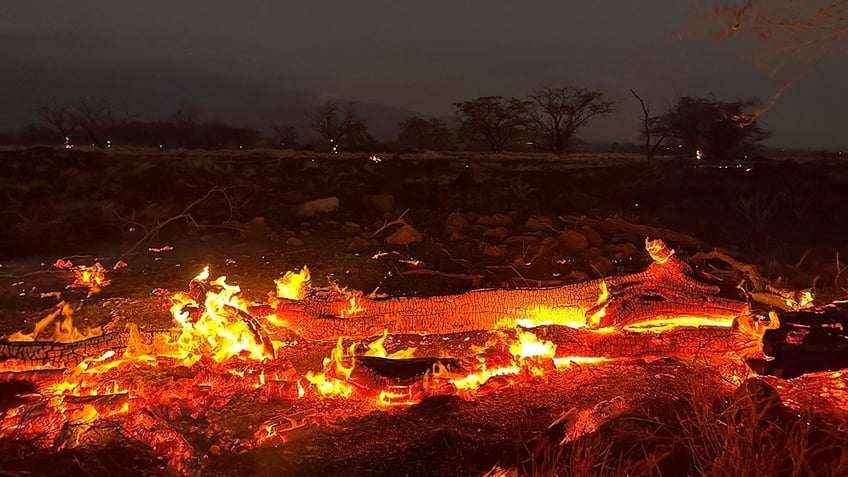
715, 128
422, 133
286, 135
557, 113
653, 131
184, 121
339, 127
97, 120
59, 117
496, 120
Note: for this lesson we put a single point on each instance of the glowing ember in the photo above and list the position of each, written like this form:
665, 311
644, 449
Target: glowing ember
93, 277
220, 347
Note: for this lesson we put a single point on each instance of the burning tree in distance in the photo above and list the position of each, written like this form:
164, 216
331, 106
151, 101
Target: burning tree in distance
709, 128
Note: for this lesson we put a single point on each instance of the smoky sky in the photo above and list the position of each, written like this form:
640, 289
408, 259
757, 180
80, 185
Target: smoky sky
260, 62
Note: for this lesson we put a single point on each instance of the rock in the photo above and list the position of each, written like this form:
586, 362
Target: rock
458, 237
602, 266
383, 203
496, 233
358, 245
294, 242
257, 229
592, 253
572, 242
404, 236
521, 241
318, 206
495, 251
630, 250
594, 237
541, 224
497, 220
456, 220
351, 228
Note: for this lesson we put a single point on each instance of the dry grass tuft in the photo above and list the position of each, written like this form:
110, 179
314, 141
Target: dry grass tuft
707, 432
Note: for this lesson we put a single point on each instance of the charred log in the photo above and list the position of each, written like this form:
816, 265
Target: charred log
48, 353
810, 340
405, 370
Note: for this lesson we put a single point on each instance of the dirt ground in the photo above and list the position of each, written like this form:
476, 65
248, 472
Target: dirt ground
476, 221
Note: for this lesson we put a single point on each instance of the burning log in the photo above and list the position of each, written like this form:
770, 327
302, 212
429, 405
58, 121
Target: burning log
665, 290
665, 293
704, 342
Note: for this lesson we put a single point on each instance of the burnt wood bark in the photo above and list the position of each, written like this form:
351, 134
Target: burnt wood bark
665, 289
809, 340
49, 353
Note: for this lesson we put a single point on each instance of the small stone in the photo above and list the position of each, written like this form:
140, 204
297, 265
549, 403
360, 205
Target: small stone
383, 203
592, 253
541, 224
520, 241
458, 237
495, 251
495, 233
404, 236
456, 220
572, 242
594, 237
497, 220
358, 245
318, 206
602, 266
629, 250
294, 242
257, 229
351, 228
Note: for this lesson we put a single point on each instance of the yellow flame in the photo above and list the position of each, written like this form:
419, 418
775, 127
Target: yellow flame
353, 308
336, 385
218, 332
660, 324
93, 277
571, 316
529, 345
64, 330
376, 348
293, 285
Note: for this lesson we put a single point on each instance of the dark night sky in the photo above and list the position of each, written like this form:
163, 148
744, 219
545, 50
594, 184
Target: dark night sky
254, 62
